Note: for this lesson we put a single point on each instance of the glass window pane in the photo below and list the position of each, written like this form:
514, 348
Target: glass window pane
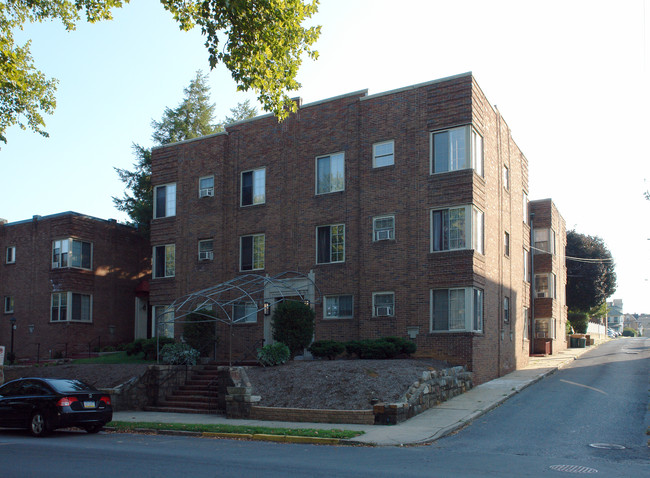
457, 309
440, 319
441, 152
457, 149
247, 188
324, 175
259, 186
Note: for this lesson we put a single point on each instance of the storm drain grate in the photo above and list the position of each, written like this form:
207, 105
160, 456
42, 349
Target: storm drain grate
573, 469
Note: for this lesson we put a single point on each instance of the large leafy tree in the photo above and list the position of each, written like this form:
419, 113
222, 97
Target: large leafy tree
193, 117
261, 42
591, 272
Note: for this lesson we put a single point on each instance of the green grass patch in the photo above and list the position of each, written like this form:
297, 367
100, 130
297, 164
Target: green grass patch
117, 357
223, 428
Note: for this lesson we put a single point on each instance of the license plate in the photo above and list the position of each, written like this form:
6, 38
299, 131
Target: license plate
89, 404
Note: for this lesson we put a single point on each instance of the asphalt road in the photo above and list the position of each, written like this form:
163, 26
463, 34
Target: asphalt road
601, 399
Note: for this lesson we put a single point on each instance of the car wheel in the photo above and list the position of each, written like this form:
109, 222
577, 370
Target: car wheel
93, 428
38, 425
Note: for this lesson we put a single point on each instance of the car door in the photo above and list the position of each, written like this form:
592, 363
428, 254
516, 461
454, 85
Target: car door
10, 408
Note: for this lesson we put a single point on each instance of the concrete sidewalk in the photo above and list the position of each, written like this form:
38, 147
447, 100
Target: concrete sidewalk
424, 428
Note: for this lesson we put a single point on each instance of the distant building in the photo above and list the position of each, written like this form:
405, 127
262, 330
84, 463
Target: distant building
73, 283
615, 316
406, 210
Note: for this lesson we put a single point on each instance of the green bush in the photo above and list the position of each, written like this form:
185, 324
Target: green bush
273, 354
135, 347
293, 325
383, 348
147, 347
200, 331
579, 321
404, 346
629, 332
179, 354
326, 348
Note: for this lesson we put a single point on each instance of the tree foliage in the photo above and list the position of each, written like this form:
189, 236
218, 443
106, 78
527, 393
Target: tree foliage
261, 42
592, 277
138, 196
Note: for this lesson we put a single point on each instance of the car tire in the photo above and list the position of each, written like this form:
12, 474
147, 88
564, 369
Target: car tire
38, 425
93, 428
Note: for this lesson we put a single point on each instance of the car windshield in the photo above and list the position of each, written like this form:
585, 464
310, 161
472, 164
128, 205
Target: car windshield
65, 385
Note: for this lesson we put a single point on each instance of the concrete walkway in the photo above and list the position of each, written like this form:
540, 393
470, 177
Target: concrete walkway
424, 428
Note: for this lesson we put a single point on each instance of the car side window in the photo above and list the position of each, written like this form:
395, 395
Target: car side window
10, 389
33, 387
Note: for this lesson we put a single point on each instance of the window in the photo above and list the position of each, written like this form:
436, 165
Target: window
526, 326
524, 206
506, 310
10, 255
383, 154
69, 306
164, 199
506, 177
526, 266
383, 304
163, 321
506, 244
253, 187
451, 229
456, 149
9, 305
338, 307
545, 285
330, 173
164, 261
71, 253
252, 253
456, 310
330, 244
544, 241
244, 312
544, 328
206, 187
383, 228
206, 250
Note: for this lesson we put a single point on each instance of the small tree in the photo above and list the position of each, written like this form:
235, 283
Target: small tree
200, 331
579, 321
293, 325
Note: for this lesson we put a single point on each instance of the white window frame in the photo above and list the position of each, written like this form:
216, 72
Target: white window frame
258, 263
526, 266
334, 186
473, 230
524, 206
506, 243
379, 310
526, 331
250, 313
168, 272
506, 310
330, 245
544, 233
548, 292
206, 191
332, 309
69, 298
506, 177
471, 306
68, 244
167, 328
258, 176
379, 158
383, 233
8, 304
206, 254
170, 200
10, 255
547, 332
472, 150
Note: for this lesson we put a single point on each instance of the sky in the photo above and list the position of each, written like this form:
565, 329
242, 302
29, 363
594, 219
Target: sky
570, 78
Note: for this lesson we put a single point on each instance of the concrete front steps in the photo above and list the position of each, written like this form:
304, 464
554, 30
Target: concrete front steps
198, 395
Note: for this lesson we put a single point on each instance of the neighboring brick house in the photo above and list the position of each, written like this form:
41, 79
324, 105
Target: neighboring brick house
550, 276
404, 208
70, 281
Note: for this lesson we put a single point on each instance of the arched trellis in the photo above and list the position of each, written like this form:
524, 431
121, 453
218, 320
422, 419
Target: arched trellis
263, 291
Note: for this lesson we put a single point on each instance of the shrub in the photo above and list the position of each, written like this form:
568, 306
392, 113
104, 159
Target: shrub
135, 347
629, 332
149, 346
579, 322
353, 347
179, 354
293, 325
326, 348
200, 331
384, 348
273, 354
404, 346
10, 358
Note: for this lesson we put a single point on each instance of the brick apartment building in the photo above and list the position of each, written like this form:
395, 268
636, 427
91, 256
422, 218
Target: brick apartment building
407, 209
71, 282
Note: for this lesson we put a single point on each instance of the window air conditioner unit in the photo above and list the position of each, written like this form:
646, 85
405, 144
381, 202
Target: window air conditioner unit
541, 295
383, 235
206, 256
206, 192
384, 311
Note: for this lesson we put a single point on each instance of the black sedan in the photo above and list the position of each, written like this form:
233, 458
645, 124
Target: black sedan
45, 404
